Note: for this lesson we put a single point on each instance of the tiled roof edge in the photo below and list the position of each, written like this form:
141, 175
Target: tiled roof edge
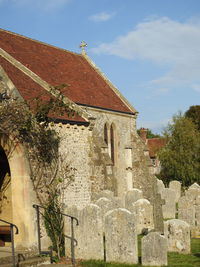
46, 86
40, 42
114, 88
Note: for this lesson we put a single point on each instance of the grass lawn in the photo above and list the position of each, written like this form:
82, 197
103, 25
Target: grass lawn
174, 259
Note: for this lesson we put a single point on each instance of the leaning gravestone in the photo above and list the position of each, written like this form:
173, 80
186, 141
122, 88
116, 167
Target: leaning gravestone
176, 186
144, 214
154, 250
121, 237
90, 234
169, 208
177, 233
132, 196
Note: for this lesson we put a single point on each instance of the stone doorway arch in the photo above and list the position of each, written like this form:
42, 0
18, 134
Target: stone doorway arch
18, 207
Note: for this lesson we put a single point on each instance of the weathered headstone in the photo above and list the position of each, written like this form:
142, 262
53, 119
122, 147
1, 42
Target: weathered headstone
194, 186
105, 204
132, 196
72, 211
120, 236
169, 208
144, 214
160, 186
105, 193
154, 250
177, 233
195, 230
90, 233
176, 186
192, 194
186, 211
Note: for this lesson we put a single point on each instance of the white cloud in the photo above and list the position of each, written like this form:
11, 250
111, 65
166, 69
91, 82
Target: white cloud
41, 4
196, 87
103, 16
164, 42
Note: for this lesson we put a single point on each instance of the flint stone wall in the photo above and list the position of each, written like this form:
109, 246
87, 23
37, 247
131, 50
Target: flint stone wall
154, 250
75, 139
177, 233
121, 237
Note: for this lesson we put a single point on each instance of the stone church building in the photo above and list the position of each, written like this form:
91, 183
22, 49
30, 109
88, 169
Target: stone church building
101, 142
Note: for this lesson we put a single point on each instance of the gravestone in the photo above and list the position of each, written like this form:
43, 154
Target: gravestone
143, 211
90, 234
169, 208
177, 233
132, 196
72, 211
106, 204
195, 230
160, 186
121, 237
105, 193
154, 250
176, 186
192, 194
186, 211
194, 186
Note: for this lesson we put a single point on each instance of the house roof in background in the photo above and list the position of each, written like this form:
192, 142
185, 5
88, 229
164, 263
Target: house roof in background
58, 66
154, 145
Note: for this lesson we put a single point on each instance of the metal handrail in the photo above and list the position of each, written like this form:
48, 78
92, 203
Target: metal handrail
12, 225
72, 238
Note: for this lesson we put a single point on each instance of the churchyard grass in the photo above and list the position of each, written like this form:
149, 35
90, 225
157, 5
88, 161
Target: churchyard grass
174, 259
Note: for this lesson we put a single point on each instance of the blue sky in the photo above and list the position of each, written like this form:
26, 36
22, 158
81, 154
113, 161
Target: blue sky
149, 49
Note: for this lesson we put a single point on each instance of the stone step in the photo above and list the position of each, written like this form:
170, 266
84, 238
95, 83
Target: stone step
31, 262
53, 265
6, 255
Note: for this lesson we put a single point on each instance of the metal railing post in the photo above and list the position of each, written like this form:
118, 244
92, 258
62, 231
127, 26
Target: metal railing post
12, 239
72, 238
72, 242
13, 245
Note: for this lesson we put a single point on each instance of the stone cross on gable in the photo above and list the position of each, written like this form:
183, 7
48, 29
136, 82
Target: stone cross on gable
82, 46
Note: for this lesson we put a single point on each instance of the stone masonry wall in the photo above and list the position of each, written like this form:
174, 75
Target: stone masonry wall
75, 148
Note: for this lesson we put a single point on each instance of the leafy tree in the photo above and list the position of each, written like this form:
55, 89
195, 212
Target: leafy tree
194, 114
180, 158
150, 134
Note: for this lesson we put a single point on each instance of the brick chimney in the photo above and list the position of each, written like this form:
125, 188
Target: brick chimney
143, 134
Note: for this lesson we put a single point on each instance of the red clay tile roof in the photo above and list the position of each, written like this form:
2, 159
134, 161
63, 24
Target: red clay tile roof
33, 90
154, 145
57, 66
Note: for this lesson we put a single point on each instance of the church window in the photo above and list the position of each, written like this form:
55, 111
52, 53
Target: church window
112, 144
106, 134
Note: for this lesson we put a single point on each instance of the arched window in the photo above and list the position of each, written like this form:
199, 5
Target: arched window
112, 143
106, 134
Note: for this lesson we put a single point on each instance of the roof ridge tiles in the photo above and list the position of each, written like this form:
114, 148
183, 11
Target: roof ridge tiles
40, 42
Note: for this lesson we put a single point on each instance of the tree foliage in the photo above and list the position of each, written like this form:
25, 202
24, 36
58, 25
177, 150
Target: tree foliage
180, 158
150, 134
194, 114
